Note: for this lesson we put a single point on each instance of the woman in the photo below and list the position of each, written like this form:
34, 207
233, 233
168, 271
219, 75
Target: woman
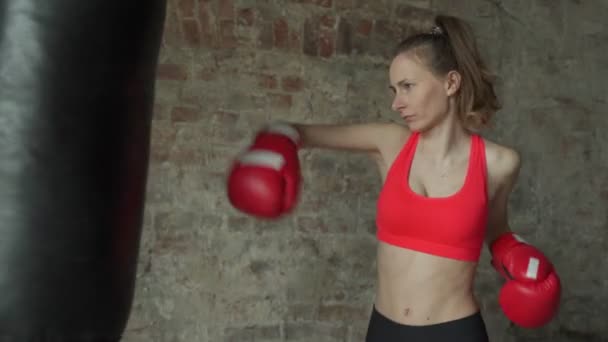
445, 192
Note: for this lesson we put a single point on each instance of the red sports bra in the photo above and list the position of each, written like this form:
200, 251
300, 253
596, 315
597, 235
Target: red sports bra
452, 227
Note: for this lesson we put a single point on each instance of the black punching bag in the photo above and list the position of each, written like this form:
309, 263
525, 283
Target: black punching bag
76, 98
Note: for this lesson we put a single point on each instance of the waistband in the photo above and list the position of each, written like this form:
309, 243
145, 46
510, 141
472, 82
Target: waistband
467, 329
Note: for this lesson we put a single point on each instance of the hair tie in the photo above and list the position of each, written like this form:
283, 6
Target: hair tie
437, 30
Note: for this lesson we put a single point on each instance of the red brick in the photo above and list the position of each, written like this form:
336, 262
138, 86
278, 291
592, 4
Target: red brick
187, 8
226, 9
292, 83
326, 44
205, 25
280, 101
268, 81
327, 21
364, 27
361, 39
281, 33
174, 72
245, 16
192, 36
184, 114
227, 39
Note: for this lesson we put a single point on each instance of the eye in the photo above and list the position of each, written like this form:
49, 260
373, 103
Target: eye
406, 85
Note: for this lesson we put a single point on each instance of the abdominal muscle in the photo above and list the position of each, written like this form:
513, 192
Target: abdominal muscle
421, 289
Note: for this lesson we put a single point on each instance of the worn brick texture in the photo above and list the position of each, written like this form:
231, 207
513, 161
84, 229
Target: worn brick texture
209, 273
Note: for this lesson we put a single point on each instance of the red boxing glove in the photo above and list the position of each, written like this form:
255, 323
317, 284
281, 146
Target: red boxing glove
265, 180
530, 297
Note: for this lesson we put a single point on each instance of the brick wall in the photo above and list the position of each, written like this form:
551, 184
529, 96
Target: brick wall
208, 273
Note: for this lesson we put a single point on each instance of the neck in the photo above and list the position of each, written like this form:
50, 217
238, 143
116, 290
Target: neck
444, 139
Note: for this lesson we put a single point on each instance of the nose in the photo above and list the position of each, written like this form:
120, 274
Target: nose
398, 103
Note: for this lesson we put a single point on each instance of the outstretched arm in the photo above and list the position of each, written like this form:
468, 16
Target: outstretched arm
360, 137
265, 180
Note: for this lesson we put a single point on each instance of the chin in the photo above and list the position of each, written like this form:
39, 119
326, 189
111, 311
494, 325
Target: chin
416, 127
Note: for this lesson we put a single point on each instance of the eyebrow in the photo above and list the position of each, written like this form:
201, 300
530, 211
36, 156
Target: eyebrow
400, 83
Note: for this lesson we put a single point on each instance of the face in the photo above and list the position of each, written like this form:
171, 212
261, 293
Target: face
421, 98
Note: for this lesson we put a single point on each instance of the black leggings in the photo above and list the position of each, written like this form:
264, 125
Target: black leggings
468, 329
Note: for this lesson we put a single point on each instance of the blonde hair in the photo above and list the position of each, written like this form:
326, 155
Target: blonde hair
451, 45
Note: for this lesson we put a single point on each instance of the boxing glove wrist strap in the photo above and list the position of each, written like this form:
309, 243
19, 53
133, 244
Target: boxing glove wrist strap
283, 128
506, 241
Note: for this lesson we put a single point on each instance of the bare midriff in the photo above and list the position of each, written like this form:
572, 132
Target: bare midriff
420, 289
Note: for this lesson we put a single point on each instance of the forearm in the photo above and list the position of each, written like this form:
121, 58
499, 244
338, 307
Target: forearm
495, 232
361, 137
314, 135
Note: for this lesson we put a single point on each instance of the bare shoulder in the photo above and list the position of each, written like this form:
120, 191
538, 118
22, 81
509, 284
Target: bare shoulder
503, 163
390, 144
392, 138
396, 132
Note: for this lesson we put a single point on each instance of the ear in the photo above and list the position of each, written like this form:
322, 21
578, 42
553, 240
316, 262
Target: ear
452, 82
